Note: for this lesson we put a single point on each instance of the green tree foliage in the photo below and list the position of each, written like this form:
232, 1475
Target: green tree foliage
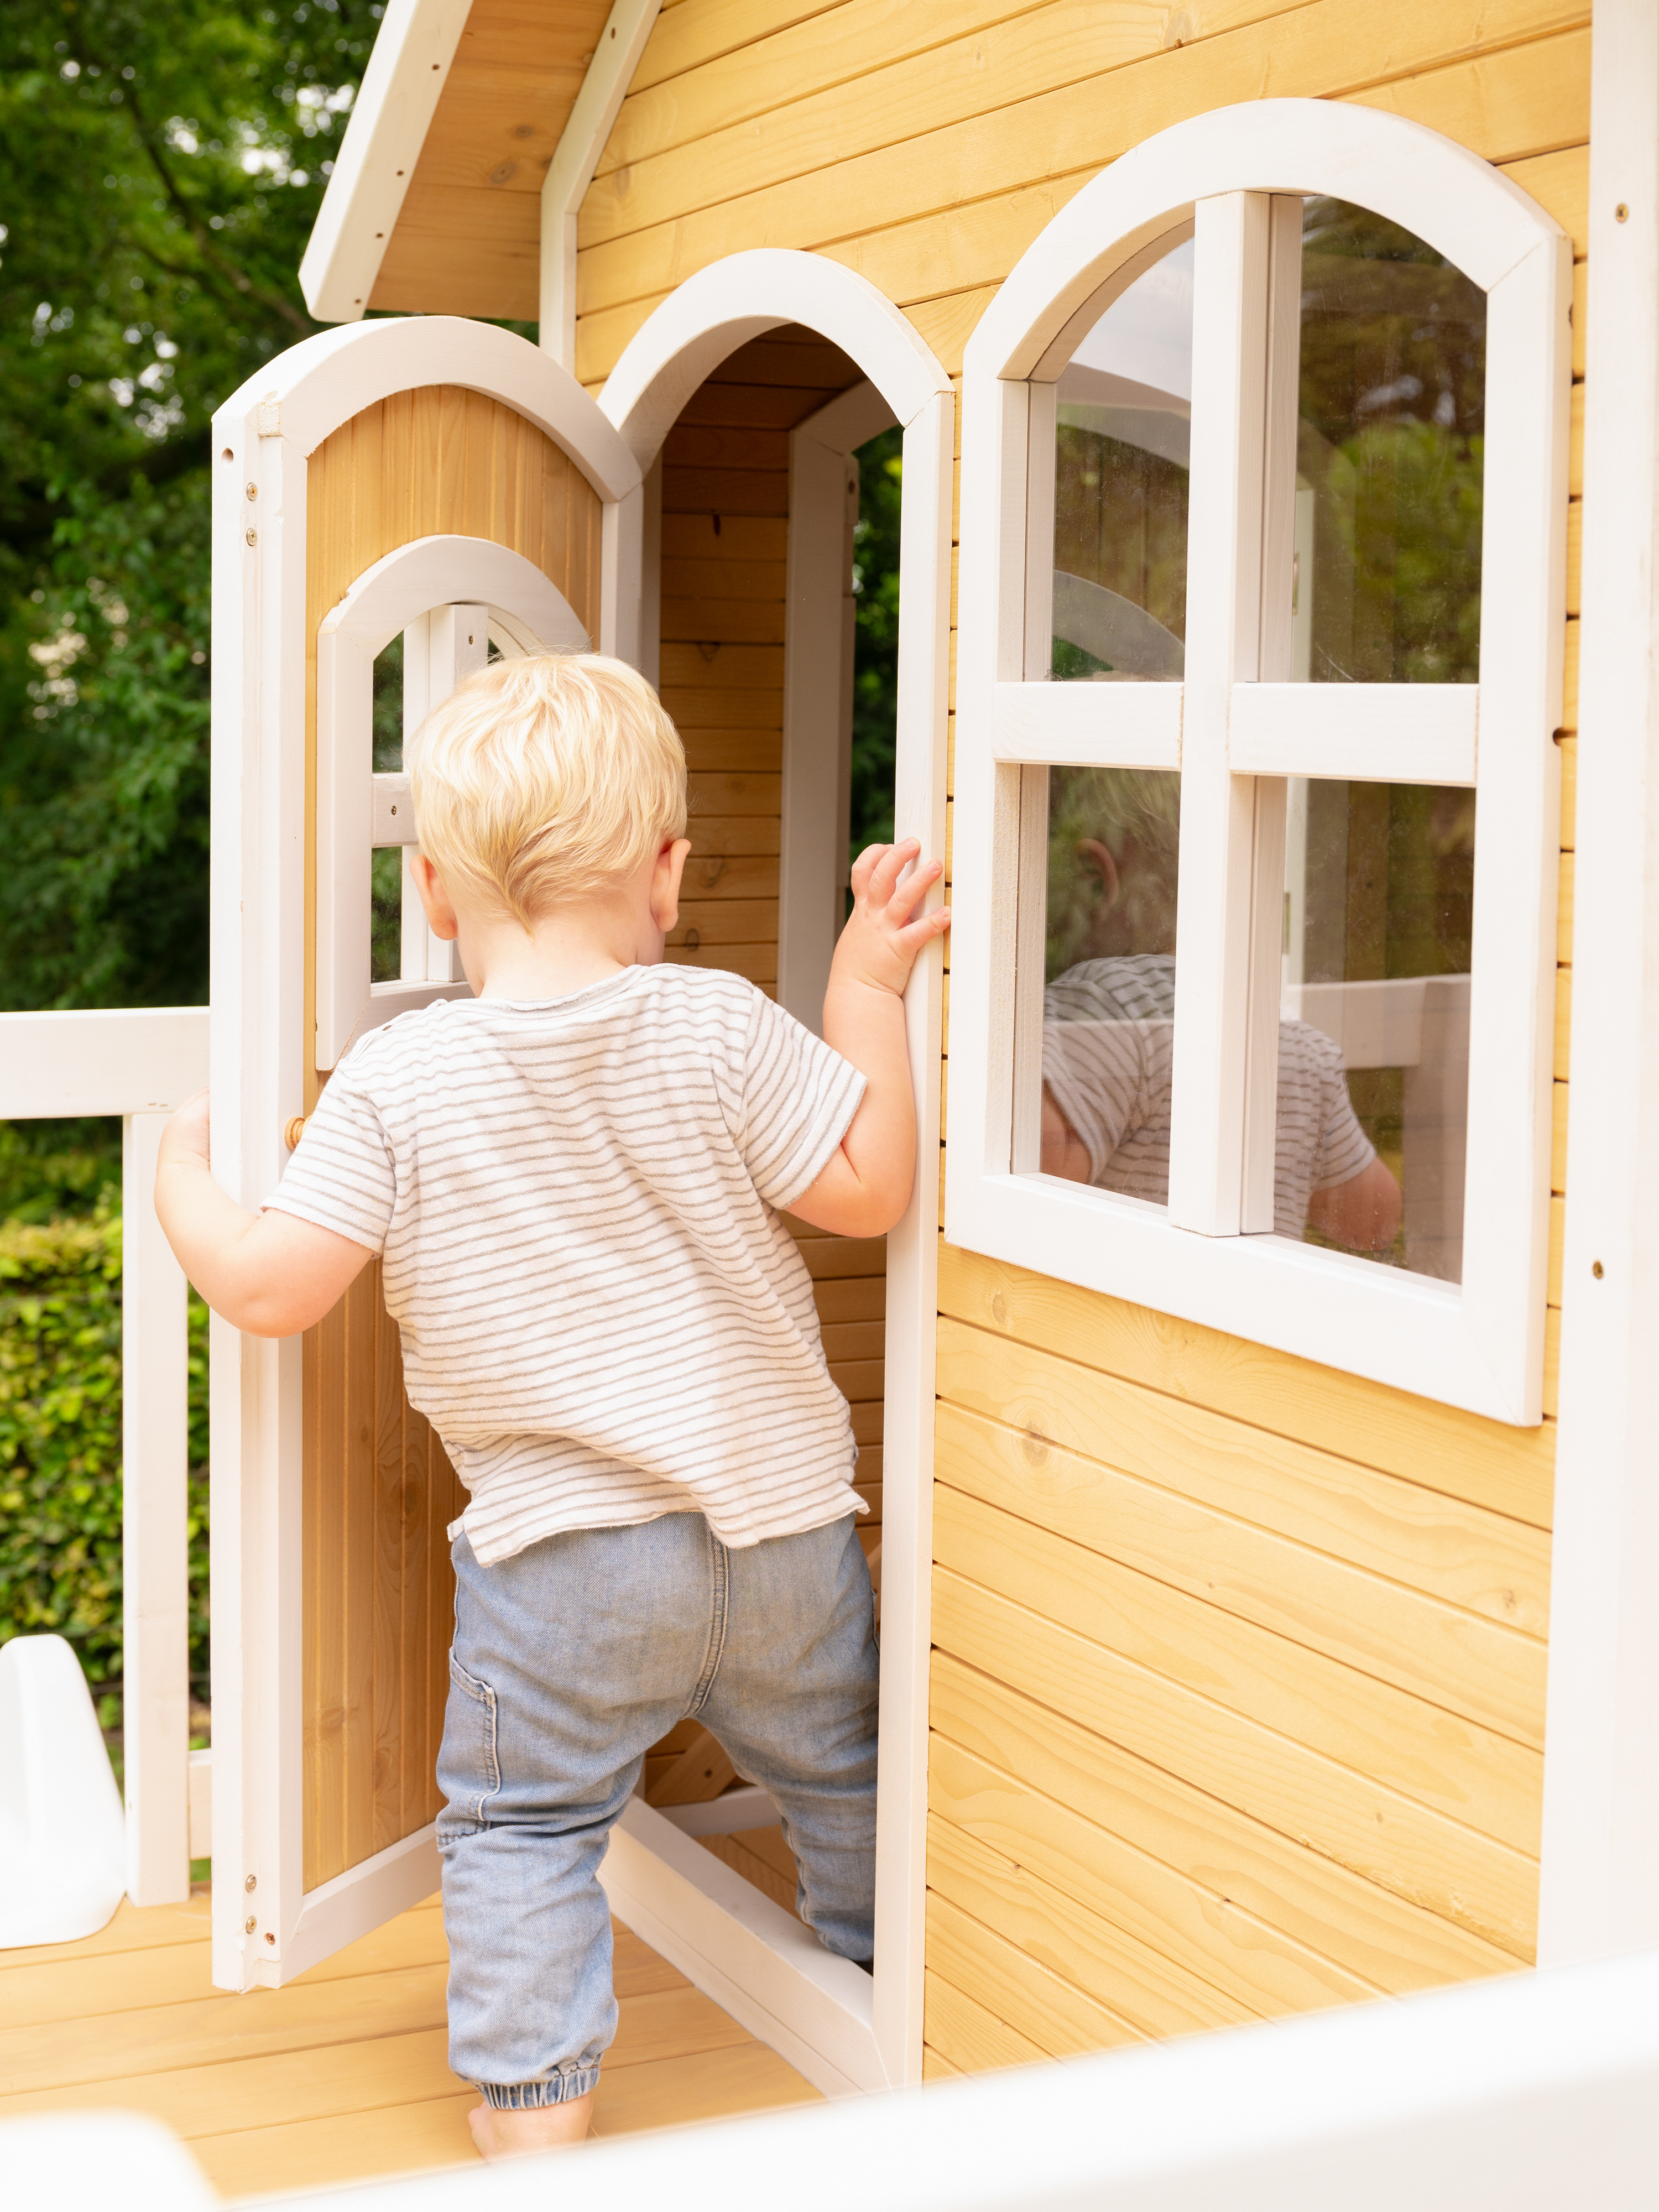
160, 172
875, 646
60, 1443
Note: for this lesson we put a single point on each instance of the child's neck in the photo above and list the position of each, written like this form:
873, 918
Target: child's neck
579, 944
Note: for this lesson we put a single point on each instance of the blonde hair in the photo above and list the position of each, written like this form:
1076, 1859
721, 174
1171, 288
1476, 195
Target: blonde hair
546, 778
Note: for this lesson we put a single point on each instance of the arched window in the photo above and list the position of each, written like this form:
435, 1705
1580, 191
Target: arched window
1263, 524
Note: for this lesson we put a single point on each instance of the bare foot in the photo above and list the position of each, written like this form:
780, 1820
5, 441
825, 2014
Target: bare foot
504, 2132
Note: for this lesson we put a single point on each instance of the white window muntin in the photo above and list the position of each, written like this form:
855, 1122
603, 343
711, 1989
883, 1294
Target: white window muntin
1236, 733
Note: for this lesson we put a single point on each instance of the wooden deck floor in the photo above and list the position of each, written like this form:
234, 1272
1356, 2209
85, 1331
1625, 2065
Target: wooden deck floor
341, 2076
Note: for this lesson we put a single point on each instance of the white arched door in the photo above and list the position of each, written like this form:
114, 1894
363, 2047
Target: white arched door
441, 482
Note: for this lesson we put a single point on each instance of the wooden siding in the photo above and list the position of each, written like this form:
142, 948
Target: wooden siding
379, 1491
1237, 1692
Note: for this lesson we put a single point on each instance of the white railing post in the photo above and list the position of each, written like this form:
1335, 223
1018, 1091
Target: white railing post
156, 1605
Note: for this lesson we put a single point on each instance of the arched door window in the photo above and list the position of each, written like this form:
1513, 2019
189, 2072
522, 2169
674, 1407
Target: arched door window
1263, 524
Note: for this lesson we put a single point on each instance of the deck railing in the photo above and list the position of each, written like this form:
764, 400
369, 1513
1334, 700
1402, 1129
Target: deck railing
140, 1064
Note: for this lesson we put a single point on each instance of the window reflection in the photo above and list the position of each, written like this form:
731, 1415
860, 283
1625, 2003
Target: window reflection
1108, 1025
1109, 972
1389, 451
1379, 907
1124, 409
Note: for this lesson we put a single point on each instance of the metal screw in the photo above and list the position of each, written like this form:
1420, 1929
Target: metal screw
1596, 1269
252, 537
249, 1925
1621, 212
254, 491
252, 1883
271, 1939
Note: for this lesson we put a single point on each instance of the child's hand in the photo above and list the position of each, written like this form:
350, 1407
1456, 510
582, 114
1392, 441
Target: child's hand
879, 944
185, 1139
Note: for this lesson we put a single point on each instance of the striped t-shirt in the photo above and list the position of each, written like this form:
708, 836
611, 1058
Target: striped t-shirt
1108, 1053
602, 1314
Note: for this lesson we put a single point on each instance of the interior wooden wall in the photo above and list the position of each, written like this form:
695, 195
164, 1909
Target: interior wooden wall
379, 1491
725, 537
1238, 1689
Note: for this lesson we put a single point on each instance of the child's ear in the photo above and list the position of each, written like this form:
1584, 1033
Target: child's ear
666, 880
440, 910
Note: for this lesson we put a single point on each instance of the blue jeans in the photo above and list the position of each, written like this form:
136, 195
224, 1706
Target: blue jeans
570, 1660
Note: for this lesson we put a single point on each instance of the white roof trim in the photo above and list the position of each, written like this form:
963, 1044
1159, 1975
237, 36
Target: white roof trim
581, 142
406, 73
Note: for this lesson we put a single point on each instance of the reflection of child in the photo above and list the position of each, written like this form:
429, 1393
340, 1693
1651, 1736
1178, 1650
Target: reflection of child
1108, 1033
573, 1178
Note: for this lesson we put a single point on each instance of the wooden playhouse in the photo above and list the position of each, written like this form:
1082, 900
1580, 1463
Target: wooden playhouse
1212, 1396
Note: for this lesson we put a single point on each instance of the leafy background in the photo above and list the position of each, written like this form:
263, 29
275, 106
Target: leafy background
160, 168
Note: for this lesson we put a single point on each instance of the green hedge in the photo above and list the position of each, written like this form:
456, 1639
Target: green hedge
60, 1442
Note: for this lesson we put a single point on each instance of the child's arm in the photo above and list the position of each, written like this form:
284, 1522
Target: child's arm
269, 1273
866, 1186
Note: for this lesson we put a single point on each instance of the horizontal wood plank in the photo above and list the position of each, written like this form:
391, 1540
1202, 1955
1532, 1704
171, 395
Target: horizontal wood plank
1151, 1992
1203, 1930
1041, 2005
1375, 1832
1488, 1672
1481, 1562
1506, 1470
1377, 1936
1469, 1773
970, 2036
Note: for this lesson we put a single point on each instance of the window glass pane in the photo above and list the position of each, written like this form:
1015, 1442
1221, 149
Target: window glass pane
1374, 1035
1389, 450
1121, 458
1109, 977
389, 708
385, 902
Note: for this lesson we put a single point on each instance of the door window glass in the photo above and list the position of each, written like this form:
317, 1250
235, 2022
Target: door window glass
1123, 429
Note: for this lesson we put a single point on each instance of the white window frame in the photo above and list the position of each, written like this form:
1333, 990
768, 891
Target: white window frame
844, 2029
1236, 176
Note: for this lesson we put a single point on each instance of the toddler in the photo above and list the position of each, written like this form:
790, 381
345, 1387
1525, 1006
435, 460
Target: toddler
574, 1178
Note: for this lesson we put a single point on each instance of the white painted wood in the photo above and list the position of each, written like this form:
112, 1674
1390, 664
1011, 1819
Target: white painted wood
1275, 658
392, 808
155, 1543
581, 142
1144, 202
1525, 2094
129, 1060
1215, 888
356, 1902
199, 1782
407, 71
256, 1063
309, 391
1481, 1348
1601, 1779
1087, 725
758, 1962
741, 297
918, 811
1365, 733
690, 334
729, 1814
441, 646
817, 691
